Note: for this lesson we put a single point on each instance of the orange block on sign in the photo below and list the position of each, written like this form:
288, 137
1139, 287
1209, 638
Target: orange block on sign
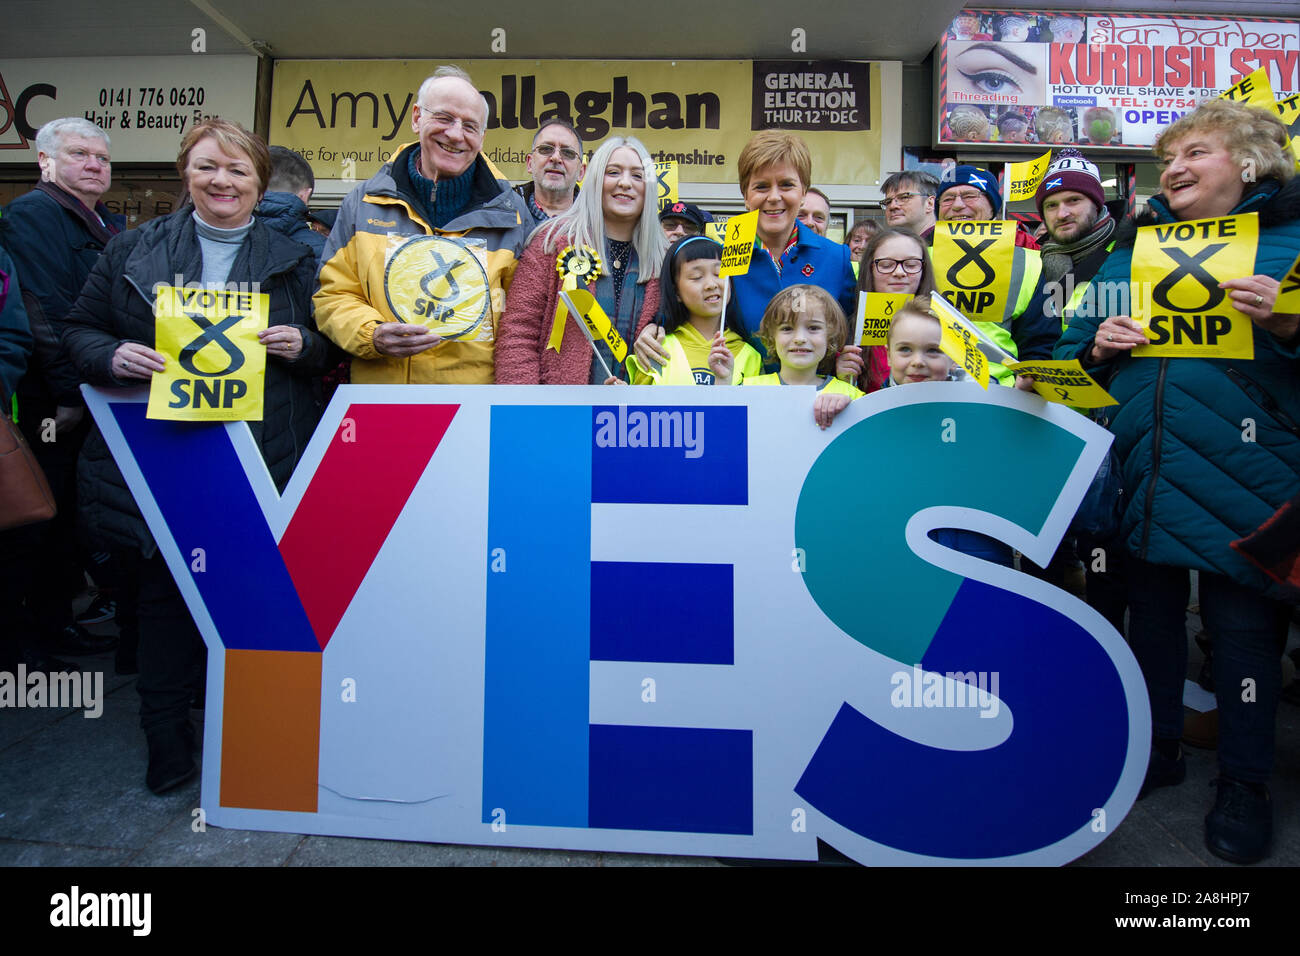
270, 736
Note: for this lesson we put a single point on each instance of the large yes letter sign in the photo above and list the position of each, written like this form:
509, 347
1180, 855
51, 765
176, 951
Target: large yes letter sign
688, 623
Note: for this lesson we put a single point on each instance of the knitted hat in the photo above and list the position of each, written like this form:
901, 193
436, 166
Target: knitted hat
1070, 171
981, 179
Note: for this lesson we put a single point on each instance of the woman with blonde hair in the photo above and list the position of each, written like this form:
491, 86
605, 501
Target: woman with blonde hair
608, 242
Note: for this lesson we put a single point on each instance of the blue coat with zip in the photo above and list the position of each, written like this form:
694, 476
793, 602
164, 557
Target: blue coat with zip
814, 260
1210, 448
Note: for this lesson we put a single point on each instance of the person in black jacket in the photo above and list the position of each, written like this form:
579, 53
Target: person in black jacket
55, 234
110, 336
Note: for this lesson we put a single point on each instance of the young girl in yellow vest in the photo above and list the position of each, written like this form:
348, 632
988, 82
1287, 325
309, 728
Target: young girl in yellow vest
802, 326
691, 296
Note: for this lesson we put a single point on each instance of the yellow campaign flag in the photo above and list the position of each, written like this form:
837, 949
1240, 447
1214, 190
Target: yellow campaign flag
1288, 293
972, 266
875, 311
216, 364
666, 178
595, 322
1023, 178
1288, 110
960, 342
1176, 298
1065, 382
1253, 89
738, 244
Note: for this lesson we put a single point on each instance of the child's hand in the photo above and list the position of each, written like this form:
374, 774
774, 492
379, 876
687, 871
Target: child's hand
614, 380
721, 362
647, 348
826, 407
1025, 383
848, 364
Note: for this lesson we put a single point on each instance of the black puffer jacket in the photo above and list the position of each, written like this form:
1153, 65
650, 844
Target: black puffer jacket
116, 306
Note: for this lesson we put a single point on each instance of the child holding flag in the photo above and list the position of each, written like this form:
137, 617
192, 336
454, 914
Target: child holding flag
692, 295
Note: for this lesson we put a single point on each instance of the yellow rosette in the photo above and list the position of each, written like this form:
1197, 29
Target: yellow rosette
575, 266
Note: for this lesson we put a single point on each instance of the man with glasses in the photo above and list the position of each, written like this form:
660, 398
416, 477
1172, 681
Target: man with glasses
426, 311
971, 194
556, 165
909, 201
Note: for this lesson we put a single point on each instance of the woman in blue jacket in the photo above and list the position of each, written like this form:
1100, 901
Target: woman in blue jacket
1210, 449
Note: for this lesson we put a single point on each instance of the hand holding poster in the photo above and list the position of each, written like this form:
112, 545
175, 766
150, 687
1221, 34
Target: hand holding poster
216, 365
1064, 382
972, 266
1176, 273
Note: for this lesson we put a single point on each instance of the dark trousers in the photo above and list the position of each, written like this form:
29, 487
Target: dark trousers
1249, 633
171, 650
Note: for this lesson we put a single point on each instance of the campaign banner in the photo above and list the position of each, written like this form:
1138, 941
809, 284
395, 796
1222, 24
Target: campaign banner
876, 311
1175, 277
1107, 81
625, 619
215, 363
347, 117
972, 266
145, 104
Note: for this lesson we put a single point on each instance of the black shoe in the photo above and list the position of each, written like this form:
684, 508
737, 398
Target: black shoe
101, 609
171, 758
1240, 827
79, 642
1163, 772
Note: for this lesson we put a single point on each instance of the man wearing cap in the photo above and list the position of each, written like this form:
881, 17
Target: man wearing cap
555, 163
681, 220
971, 194
1079, 226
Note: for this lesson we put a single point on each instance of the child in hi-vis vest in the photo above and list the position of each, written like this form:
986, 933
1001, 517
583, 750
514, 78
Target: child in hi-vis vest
691, 296
803, 325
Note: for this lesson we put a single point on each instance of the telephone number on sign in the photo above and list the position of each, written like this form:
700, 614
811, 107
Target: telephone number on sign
151, 96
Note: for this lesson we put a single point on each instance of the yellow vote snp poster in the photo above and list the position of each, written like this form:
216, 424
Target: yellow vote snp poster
216, 365
1176, 273
1065, 382
1288, 111
666, 182
1253, 89
738, 246
972, 266
875, 311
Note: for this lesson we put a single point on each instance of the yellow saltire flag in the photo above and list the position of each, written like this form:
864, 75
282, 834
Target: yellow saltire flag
1176, 298
215, 363
1023, 178
595, 322
738, 245
1065, 382
875, 311
959, 340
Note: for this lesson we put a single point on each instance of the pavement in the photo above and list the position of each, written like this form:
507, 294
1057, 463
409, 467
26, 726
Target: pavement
72, 794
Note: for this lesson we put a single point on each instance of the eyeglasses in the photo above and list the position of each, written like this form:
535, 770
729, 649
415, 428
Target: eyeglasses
886, 266
899, 198
546, 151
967, 197
446, 119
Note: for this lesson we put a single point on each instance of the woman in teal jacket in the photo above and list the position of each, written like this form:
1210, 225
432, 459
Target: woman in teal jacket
1210, 449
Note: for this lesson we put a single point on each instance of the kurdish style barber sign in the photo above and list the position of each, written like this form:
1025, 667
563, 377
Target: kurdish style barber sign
533, 617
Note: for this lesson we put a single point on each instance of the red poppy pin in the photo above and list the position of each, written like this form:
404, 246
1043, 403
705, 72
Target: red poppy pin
808, 269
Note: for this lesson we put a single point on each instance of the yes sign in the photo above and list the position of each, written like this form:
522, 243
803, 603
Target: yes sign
693, 623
